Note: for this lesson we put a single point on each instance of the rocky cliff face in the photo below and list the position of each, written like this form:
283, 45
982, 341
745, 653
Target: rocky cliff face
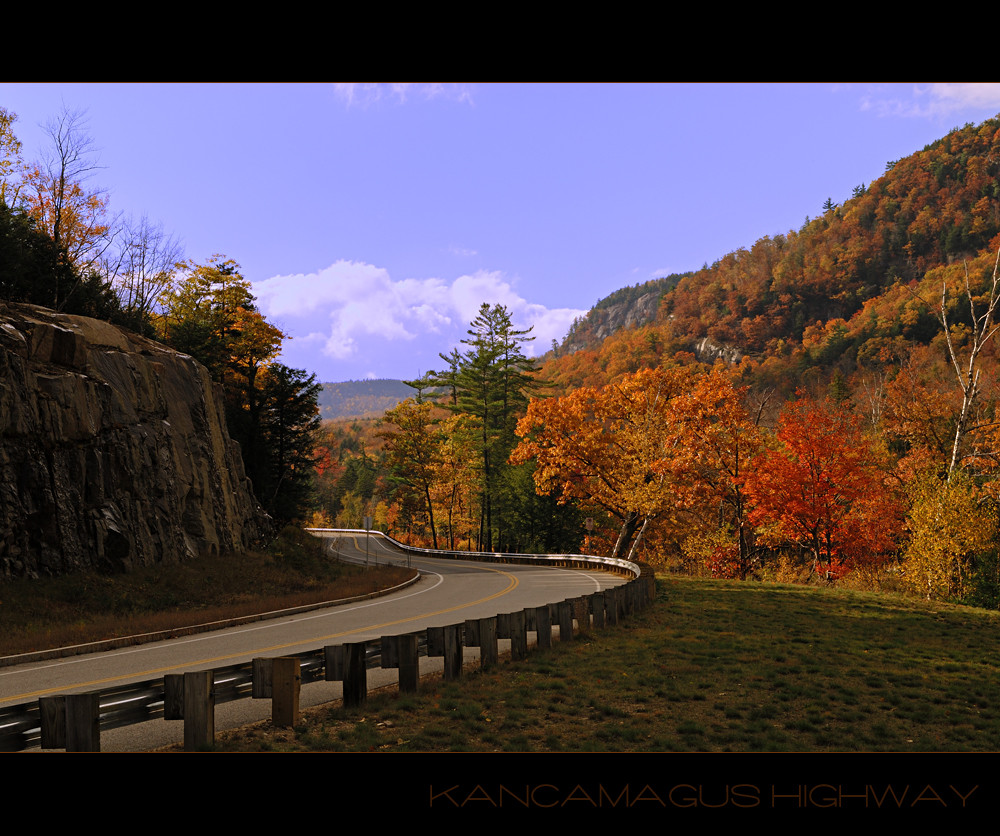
601, 323
114, 451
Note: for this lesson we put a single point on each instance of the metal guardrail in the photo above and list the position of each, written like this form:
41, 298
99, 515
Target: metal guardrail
581, 560
21, 725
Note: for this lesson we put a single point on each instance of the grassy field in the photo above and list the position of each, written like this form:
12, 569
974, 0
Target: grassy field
713, 666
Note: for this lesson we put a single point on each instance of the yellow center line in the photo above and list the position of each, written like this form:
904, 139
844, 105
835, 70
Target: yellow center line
511, 586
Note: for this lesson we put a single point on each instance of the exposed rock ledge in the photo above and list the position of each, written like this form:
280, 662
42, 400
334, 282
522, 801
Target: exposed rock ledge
708, 350
604, 322
114, 451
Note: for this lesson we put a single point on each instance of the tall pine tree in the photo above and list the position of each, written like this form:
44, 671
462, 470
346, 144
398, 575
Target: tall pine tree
490, 382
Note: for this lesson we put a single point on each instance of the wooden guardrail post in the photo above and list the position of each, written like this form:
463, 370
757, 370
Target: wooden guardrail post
199, 710
530, 624
482, 633
489, 655
611, 605
543, 626
581, 612
401, 652
518, 636
628, 599
347, 663
52, 716
286, 684
173, 696
472, 632
83, 723
598, 607
333, 663
452, 651
261, 678
447, 642
565, 621
355, 674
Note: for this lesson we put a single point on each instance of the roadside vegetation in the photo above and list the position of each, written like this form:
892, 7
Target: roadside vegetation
712, 666
86, 607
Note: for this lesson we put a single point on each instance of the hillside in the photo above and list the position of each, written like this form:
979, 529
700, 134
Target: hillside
839, 292
361, 398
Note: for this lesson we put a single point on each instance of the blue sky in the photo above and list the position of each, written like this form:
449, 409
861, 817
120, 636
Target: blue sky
374, 219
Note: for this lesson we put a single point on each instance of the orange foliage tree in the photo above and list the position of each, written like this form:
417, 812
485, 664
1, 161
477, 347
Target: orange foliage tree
720, 440
413, 450
661, 445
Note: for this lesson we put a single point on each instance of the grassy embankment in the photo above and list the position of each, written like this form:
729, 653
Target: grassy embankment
36, 615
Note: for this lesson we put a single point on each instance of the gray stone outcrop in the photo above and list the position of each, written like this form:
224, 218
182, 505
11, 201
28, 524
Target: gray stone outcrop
603, 322
114, 451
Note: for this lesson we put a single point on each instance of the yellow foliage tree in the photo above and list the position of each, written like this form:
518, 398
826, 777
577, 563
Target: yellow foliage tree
949, 522
11, 163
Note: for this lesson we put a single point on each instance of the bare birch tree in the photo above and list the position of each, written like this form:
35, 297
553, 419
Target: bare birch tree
967, 370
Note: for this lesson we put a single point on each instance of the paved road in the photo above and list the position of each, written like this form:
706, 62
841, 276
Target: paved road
448, 591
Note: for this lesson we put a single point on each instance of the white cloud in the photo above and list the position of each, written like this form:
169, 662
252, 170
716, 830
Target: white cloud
938, 99
369, 93
959, 96
351, 310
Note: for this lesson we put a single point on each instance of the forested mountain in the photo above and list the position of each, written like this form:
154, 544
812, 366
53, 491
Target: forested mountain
840, 291
358, 398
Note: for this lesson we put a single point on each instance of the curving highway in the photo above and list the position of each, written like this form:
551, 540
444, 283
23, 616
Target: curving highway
448, 591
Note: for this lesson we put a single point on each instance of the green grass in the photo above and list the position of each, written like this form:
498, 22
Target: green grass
713, 666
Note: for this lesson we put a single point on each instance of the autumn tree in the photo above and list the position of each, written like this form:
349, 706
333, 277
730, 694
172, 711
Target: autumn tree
824, 489
980, 331
720, 439
612, 448
11, 163
33, 269
199, 311
413, 450
56, 195
210, 313
253, 345
950, 522
456, 488
30, 262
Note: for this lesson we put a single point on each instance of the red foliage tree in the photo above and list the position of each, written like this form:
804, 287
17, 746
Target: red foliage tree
824, 490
